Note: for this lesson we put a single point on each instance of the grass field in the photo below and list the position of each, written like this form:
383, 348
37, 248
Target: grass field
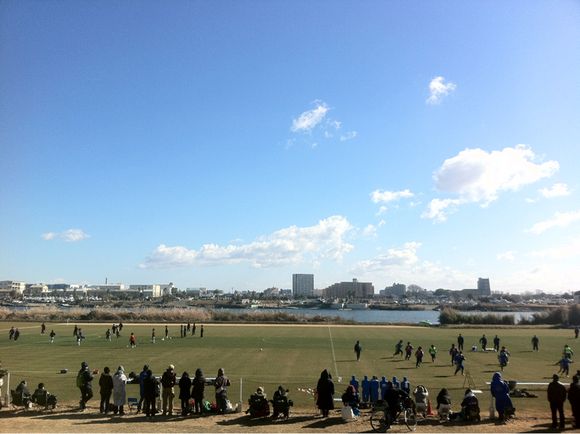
292, 355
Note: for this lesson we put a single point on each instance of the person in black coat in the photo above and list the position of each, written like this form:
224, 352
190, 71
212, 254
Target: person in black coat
151, 392
184, 393
557, 397
574, 398
106, 388
198, 388
325, 392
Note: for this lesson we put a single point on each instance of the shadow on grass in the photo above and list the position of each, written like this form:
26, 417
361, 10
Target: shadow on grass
247, 421
542, 427
325, 423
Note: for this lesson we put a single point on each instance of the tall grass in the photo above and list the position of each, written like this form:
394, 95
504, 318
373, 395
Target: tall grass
451, 316
564, 316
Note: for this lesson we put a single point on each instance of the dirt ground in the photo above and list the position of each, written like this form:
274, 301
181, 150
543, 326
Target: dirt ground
67, 418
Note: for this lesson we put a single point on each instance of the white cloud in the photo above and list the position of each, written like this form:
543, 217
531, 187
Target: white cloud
406, 255
506, 256
383, 209
564, 251
560, 219
438, 209
348, 136
439, 89
291, 245
478, 176
70, 235
557, 190
310, 118
386, 196
370, 230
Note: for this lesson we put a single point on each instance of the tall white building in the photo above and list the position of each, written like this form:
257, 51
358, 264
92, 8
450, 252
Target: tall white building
302, 285
7, 286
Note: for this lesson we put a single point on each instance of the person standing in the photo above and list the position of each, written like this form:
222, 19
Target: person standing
119, 391
557, 397
108, 335
221, 384
52, 335
483, 342
166, 332
153, 335
366, 389
576, 331
325, 392
433, 352
16, 334
84, 379
460, 342
42, 328
197, 390
184, 392
574, 398
168, 381
201, 331
106, 388
142, 377
496, 341
150, 393
501, 392
374, 389
357, 350
453, 351
535, 343
193, 330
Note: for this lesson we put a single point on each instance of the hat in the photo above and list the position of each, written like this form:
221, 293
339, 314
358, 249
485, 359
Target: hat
260, 390
84, 364
171, 367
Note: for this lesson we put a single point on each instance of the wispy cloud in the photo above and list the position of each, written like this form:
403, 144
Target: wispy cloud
439, 209
438, 89
557, 190
564, 251
309, 119
560, 220
405, 255
478, 176
386, 196
70, 235
506, 256
348, 136
325, 240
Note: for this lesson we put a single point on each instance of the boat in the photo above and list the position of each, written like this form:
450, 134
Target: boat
357, 306
426, 323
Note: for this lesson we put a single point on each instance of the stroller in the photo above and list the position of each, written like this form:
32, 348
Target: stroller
281, 404
259, 406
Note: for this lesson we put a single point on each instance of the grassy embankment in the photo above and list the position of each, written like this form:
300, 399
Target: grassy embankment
292, 355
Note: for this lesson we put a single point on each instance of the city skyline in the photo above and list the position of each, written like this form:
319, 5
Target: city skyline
231, 145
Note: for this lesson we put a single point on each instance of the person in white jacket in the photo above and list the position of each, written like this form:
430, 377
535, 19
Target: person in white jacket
119, 390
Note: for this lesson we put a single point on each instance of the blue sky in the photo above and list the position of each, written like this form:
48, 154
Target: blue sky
229, 144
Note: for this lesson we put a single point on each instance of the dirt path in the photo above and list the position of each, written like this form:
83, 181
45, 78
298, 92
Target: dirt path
67, 419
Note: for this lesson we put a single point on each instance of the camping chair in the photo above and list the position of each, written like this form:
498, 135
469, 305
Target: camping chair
443, 411
133, 404
20, 401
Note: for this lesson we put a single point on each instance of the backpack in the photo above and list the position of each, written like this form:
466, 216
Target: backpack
80, 380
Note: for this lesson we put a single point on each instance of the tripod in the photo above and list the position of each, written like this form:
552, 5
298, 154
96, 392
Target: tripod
469, 380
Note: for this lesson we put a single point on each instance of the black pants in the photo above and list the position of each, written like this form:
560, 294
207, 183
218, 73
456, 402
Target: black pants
536, 348
105, 406
559, 408
198, 404
184, 406
149, 406
86, 394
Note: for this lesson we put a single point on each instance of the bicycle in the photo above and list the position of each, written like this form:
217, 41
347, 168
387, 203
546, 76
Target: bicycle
382, 418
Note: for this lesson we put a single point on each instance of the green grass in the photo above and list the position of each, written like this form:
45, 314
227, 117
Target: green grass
292, 355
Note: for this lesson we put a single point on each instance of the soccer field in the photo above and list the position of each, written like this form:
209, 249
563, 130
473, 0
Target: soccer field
292, 355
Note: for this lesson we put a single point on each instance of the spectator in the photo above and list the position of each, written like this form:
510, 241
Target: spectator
151, 388
395, 383
366, 389
406, 386
325, 392
574, 398
421, 395
184, 392
221, 390
443, 404
557, 397
23, 393
119, 391
501, 392
142, 377
84, 379
197, 391
470, 407
374, 389
354, 382
106, 388
383, 385
168, 380
350, 397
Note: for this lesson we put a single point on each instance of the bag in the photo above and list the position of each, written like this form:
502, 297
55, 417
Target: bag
229, 406
347, 413
80, 380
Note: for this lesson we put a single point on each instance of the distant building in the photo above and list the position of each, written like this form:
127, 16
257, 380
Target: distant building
36, 289
302, 285
395, 290
152, 291
58, 287
483, 287
352, 290
271, 293
7, 286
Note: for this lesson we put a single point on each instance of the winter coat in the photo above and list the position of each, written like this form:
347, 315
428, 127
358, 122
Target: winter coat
501, 392
106, 384
119, 392
556, 392
325, 392
184, 386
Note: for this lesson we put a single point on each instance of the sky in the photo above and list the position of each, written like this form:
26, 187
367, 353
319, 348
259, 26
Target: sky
230, 144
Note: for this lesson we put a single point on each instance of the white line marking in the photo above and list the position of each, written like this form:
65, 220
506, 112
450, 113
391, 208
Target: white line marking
333, 355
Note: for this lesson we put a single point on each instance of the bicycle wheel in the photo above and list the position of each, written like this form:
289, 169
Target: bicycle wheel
380, 420
410, 419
